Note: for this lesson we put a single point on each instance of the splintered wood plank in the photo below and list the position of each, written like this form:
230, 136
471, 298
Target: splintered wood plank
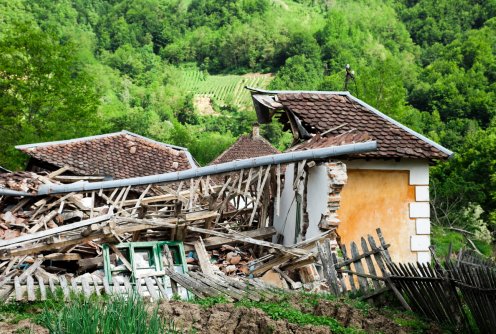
30, 288
74, 285
329, 270
377, 255
41, 285
358, 266
96, 285
203, 257
85, 286
51, 284
138, 286
121, 257
140, 198
160, 286
383, 245
169, 263
259, 193
370, 264
248, 181
151, 288
64, 286
18, 289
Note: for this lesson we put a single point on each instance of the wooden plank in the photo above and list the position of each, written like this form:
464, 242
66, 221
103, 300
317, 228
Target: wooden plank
22, 278
53, 231
122, 257
350, 276
140, 199
106, 287
51, 284
85, 284
139, 288
169, 263
158, 281
42, 287
243, 238
370, 264
74, 286
261, 233
30, 288
383, 245
64, 286
327, 266
357, 262
151, 288
259, 194
127, 285
63, 257
116, 286
96, 285
18, 289
203, 258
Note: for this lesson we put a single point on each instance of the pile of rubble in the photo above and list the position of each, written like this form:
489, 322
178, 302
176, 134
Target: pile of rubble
223, 225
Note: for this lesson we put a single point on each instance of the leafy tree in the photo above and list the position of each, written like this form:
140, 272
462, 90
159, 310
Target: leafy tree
45, 94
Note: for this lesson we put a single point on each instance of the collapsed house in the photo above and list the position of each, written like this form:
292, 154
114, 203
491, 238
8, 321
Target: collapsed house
386, 188
151, 229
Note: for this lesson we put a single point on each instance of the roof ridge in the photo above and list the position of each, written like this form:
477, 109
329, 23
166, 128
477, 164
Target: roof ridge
89, 138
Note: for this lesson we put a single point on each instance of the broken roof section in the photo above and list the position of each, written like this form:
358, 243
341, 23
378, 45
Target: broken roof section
247, 146
331, 114
119, 155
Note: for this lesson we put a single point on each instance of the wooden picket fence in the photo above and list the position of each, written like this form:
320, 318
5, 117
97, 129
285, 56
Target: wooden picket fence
429, 291
439, 292
361, 270
34, 287
475, 278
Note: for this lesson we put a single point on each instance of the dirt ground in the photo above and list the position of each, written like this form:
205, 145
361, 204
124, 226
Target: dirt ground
22, 327
227, 319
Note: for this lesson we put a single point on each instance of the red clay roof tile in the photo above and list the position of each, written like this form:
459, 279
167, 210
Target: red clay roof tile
325, 111
112, 155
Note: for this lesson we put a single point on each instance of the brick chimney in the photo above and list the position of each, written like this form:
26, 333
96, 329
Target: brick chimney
255, 130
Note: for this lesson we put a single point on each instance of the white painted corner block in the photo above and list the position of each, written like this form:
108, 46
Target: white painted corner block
424, 257
419, 243
419, 174
420, 210
423, 226
422, 193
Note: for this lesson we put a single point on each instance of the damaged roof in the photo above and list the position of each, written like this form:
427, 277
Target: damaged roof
119, 155
329, 114
246, 147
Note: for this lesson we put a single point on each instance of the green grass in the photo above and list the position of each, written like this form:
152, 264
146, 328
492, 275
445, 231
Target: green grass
442, 237
116, 314
223, 89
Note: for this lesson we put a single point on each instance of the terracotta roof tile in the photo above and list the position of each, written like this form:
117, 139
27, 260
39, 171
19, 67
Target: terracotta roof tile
325, 111
246, 147
120, 155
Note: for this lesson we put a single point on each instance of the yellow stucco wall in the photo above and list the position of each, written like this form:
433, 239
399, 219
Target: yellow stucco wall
372, 199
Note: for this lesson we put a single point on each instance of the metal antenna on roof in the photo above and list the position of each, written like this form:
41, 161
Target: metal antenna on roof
350, 75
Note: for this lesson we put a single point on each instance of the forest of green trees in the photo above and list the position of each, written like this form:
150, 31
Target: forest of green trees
70, 68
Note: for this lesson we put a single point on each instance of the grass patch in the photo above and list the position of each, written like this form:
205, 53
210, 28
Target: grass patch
116, 314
